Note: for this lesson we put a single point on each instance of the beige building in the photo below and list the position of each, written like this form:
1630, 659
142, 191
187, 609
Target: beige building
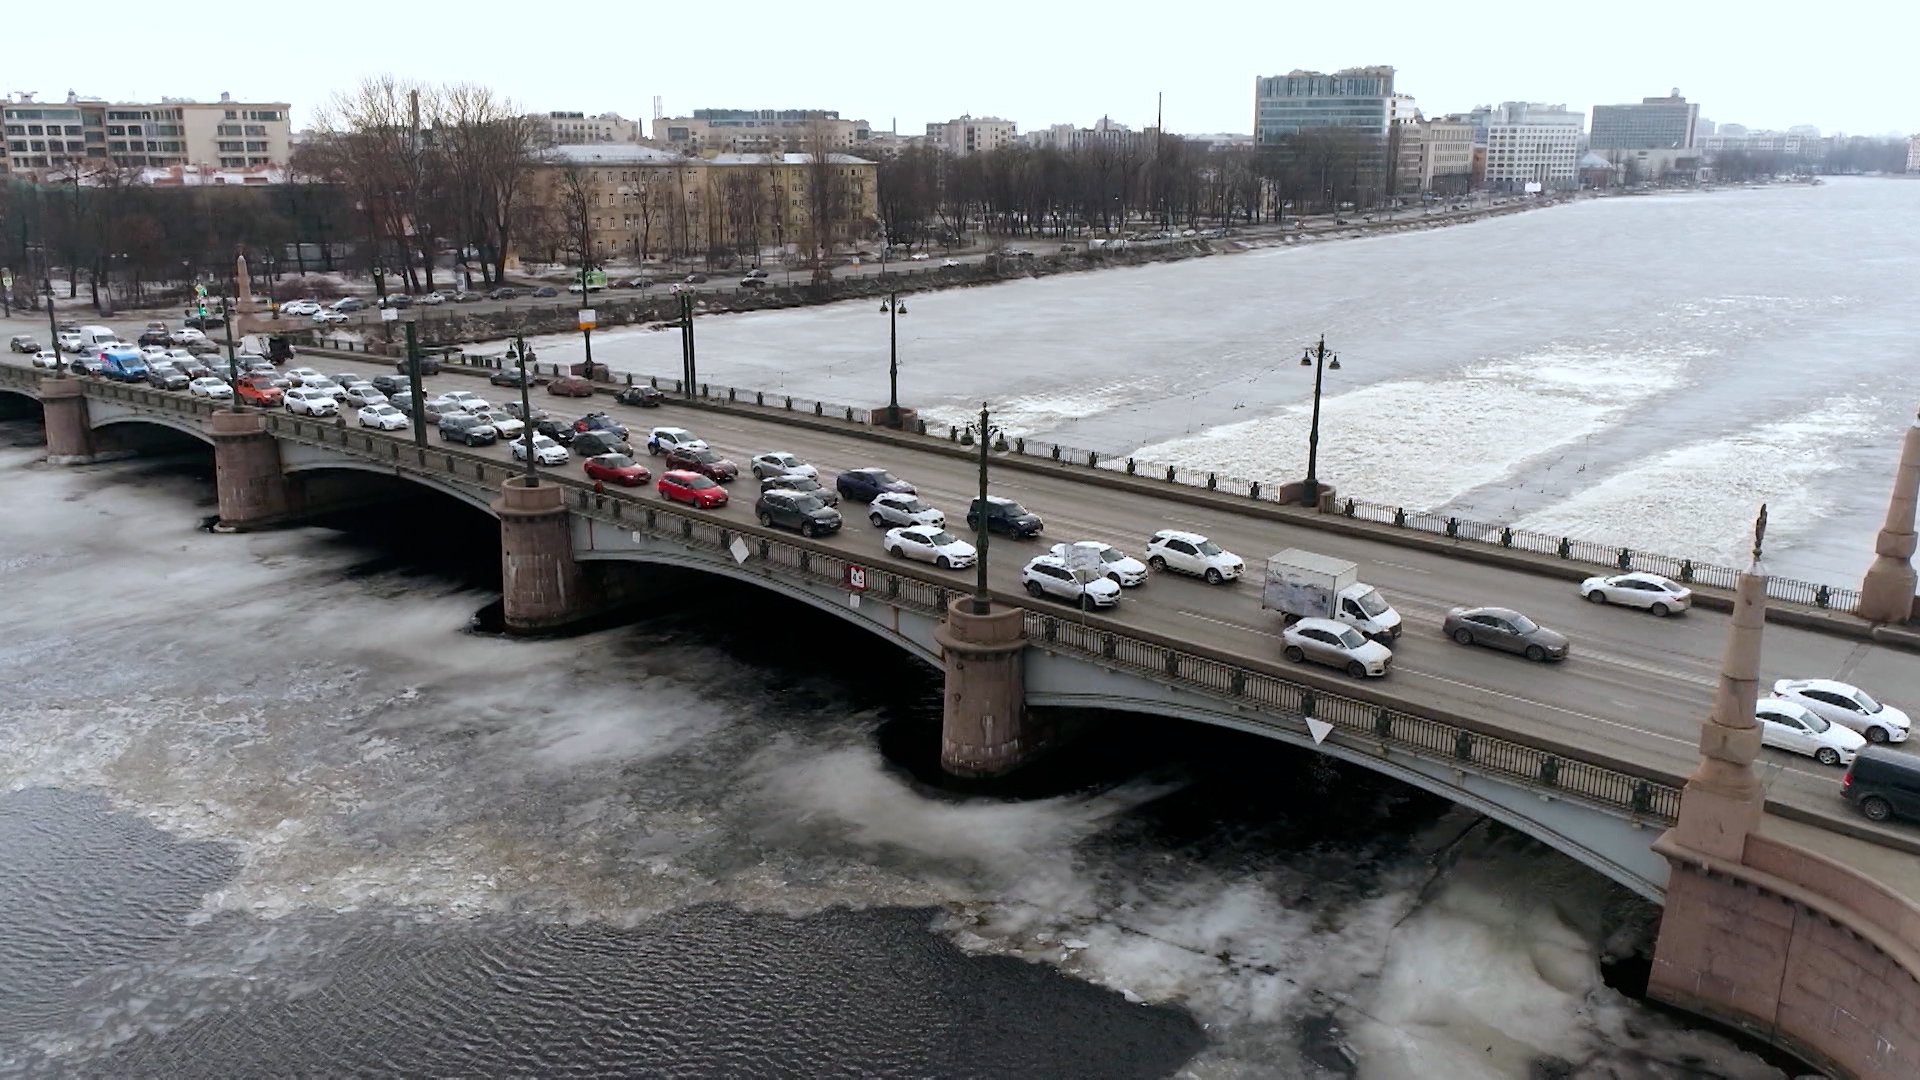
1446, 156
971, 135
759, 131
176, 131
573, 128
646, 203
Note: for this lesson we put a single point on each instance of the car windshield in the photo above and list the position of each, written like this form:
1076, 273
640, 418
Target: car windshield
1014, 509
1112, 554
541, 442
1524, 624
1866, 702
786, 461
1351, 638
1208, 547
1813, 720
804, 483
939, 539
882, 476
910, 506
616, 461
705, 457
807, 504
1371, 603
700, 483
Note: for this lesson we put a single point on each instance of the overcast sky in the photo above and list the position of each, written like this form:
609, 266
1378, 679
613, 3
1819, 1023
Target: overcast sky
1839, 64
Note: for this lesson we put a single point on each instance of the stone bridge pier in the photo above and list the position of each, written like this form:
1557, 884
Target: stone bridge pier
69, 430
540, 583
254, 492
984, 726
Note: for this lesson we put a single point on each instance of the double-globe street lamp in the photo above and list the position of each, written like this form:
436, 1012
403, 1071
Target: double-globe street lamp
893, 307
1317, 357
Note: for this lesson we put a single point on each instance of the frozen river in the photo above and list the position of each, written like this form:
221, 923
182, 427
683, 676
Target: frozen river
1639, 370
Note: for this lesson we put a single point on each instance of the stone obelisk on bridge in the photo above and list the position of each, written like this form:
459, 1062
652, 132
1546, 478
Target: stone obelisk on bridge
1887, 593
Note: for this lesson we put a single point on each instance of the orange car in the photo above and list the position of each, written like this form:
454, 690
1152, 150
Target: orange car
258, 392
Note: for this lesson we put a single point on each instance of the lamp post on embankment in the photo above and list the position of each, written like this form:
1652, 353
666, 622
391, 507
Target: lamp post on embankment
1317, 357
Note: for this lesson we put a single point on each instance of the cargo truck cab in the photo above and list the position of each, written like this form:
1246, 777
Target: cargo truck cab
1302, 585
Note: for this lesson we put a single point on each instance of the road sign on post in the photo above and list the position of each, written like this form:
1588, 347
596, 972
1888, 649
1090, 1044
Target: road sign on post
389, 315
588, 318
856, 578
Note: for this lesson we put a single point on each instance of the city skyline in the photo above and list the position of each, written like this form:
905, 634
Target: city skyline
1074, 69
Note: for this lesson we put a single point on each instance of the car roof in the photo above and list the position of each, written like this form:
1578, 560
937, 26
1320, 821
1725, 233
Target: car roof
668, 430
1321, 624
1781, 705
1832, 686
1049, 560
681, 474
1642, 575
1176, 534
1497, 612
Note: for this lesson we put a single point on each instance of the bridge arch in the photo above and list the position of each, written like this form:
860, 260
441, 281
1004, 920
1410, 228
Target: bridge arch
476, 497
180, 424
904, 628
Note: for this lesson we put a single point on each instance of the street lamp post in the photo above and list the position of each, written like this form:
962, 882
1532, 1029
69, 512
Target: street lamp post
893, 307
586, 332
53, 328
233, 360
1318, 357
526, 412
984, 433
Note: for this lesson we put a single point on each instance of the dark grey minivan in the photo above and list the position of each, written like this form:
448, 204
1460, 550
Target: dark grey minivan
1883, 783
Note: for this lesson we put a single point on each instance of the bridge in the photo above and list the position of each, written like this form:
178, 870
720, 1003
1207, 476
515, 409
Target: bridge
1786, 914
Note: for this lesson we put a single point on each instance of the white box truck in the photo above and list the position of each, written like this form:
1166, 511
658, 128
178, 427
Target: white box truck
1303, 585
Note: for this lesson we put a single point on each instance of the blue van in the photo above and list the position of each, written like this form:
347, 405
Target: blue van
124, 363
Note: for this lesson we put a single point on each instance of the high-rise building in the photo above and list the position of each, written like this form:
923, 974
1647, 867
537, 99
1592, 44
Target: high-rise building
176, 131
759, 131
1663, 123
971, 135
1530, 143
1356, 99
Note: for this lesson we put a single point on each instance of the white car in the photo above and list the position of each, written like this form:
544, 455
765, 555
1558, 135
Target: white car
1123, 568
326, 386
430, 299
1191, 553
46, 358
180, 356
383, 417
1048, 575
1847, 705
209, 387
545, 450
311, 402
360, 395
70, 341
300, 375
1803, 731
153, 352
1336, 644
187, 335
460, 399
1650, 592
299, 307
948, 264
937, 546
919, 256
328, 315
663, 439
780, 463
508, 426
900, 508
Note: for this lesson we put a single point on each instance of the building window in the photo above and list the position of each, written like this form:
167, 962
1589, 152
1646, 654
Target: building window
96, 137
233, 114
231, 147
227, 129
257, 129
118, 146
256, 148
233, 162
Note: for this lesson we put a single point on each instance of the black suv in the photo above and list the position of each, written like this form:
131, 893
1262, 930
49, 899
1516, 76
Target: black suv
1005, 516
428, 366
1883, 784
594, 443
802, 485
643, 395
504, 292
511, 376
390, 384
467, 428
793, 510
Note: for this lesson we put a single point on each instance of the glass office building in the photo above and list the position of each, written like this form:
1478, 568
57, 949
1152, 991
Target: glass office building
1657, 123
1357, 99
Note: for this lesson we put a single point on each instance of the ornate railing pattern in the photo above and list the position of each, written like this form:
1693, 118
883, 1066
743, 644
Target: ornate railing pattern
1271, 700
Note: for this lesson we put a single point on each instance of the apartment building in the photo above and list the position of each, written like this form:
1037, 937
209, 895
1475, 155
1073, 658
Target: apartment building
1530, 143
968, 134
575, 128
175, 131
1664, 123
1105, 132
759, 131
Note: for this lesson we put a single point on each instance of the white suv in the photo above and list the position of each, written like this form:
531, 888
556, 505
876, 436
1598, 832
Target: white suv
1191, 553
1047, 575
312, 402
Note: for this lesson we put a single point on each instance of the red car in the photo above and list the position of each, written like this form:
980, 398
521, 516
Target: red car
617, 469
693, 489
258, 392
570, 386
702, 461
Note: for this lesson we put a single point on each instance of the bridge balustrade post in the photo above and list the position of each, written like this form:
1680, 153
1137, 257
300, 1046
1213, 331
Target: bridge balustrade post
540, 583
69, 430
984, 727
253, 490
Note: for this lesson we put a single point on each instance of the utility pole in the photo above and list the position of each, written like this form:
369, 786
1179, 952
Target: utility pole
416, 397
233, 360
526, 412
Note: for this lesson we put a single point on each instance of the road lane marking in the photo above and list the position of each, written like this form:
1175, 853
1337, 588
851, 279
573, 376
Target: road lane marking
1402, 566
1542, 705
1262, 631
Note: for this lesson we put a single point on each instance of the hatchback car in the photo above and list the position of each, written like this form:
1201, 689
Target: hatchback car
545, 292
693, 489
1505, 629
570, 386
779, 463
792, 510
861, 485
927, 544
24, 343
616, 469
302, 401
1649, 592
662, 439
643, 395
806, 485
1883, 784
893, 508
467, 428
383, 417
703, 461
1797, 728
1005, 516
1191, 553
503, 293
545, 450
1122, 568
1847, 705
1336, 644
1049, 575
47, 358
